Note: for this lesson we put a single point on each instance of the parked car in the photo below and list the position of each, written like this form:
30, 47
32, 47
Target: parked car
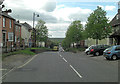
112, 53
98, 49
87, 51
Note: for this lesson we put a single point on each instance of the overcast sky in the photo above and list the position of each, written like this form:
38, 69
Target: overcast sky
58, 14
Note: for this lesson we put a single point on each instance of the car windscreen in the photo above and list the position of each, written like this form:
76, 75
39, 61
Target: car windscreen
110, 48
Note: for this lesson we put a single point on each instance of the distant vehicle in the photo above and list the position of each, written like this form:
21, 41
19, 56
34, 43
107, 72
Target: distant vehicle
87, 51
55, 48
112, 53
98, 49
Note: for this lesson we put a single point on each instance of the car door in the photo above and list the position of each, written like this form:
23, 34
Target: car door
117, 51
101, 49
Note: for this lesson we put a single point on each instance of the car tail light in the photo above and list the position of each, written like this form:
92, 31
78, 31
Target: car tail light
109, 52
92, 50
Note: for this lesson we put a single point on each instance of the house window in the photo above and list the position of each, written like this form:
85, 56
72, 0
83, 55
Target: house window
16, 28
10, 24
19, 29
4, 22
10, 36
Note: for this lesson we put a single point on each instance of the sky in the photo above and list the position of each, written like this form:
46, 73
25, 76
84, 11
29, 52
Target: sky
58, 14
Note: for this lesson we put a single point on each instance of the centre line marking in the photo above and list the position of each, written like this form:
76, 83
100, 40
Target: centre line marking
64, 59
60, 55
75, 71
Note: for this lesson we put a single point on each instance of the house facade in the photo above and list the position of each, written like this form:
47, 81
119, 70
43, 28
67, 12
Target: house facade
7, 30
26, 30
91, 41
0, 31
17, 34
115, 23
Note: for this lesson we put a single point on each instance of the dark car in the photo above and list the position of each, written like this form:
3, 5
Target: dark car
98, 49
112, 53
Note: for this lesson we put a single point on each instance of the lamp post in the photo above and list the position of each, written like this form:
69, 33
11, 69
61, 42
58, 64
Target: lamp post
34, 31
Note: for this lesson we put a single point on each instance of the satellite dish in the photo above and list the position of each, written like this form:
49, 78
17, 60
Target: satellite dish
1, 1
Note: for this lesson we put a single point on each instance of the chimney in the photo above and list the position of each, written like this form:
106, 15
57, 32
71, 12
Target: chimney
18, 21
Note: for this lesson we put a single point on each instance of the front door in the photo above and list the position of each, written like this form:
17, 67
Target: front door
4, 39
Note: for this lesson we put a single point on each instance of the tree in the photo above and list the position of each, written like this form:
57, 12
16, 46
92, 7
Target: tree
74, 33
41, 31
97, 26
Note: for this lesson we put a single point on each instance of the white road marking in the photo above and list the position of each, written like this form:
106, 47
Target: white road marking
75, 71
3, 69
27, 62
64, 59
6, 73
17, 67
60, 55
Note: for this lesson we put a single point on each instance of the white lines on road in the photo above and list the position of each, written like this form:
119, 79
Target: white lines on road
75, 71
27, 62
7, 73
60, 55
3, 69
71, 67
64, 59
17, 67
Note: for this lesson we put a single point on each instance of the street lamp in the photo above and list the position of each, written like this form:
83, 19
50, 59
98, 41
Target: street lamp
34, 28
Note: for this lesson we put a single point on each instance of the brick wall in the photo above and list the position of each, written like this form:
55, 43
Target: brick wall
8, 29
0, 31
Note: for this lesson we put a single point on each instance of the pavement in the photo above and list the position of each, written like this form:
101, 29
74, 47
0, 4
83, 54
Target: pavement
64, 67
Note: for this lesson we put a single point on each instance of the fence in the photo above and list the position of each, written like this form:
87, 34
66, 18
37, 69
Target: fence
12, 47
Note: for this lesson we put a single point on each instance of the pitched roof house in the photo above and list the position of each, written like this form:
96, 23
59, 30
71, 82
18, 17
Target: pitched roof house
7, 29
115, 23
26, 30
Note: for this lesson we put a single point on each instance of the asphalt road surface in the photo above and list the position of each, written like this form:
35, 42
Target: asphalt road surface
65, 67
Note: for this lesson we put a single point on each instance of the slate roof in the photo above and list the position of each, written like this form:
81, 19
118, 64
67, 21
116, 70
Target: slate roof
115, 21
27, 25
6, 15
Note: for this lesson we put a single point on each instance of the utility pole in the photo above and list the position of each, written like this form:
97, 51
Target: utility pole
34, 30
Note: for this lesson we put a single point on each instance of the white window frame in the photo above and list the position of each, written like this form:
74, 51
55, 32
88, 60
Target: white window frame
4, 22
10, 22
10, 33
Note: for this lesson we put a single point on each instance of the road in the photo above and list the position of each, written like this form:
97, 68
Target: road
65, 67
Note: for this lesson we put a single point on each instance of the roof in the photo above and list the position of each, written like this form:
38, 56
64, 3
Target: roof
56, 39
26, 25
6, 15
115, 21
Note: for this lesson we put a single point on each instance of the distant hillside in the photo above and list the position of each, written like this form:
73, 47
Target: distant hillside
56, 39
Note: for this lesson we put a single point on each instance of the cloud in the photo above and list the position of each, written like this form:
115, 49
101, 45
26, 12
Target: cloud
49, 6
109, 8
58, 30
71, 13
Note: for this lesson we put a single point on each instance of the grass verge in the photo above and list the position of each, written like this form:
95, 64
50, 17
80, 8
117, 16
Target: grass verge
25, 52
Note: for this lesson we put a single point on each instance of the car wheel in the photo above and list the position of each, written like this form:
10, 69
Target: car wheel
97, 53
114, 57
